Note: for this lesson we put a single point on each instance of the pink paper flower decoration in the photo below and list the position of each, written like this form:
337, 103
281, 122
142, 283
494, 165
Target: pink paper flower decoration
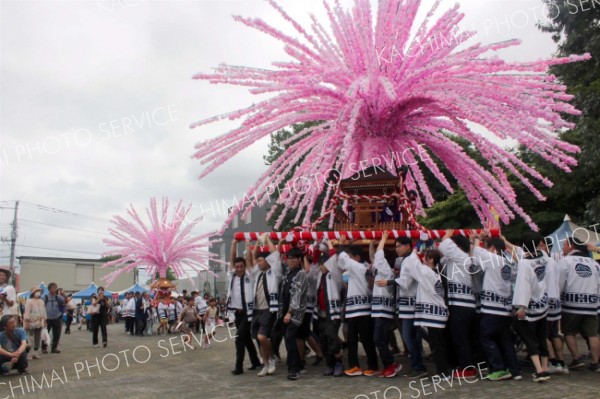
381, 88
167, 242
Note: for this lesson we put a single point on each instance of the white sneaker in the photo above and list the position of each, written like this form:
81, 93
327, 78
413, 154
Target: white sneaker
36, 355
96, 346
554, 369
272, 365
263, 372
558, 369
564, 369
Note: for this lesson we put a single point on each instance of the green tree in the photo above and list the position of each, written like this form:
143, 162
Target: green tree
109, 258
576, 30
454, 212
170, 276
451, 210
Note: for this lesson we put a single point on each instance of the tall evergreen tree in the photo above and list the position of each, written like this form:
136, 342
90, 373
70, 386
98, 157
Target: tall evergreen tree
575, 27
576, 30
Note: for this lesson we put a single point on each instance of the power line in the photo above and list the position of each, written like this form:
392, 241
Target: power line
64, 227
62, 212
54, 249
55, 260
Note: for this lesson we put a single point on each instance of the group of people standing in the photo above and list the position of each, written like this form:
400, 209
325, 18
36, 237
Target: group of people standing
471, 298
182, 314
135, 311
42, 315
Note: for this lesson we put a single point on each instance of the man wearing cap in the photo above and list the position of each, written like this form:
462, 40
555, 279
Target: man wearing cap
8, 295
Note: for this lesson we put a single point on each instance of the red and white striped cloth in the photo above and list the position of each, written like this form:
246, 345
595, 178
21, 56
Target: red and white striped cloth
294, 236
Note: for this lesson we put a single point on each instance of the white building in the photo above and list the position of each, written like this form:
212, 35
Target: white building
70, 274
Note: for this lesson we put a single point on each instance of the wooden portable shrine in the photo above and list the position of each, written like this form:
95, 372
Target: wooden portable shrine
366, 193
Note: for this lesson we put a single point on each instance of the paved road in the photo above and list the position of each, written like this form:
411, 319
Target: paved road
162, 367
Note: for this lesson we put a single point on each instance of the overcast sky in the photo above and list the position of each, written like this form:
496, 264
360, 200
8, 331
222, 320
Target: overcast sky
97, 99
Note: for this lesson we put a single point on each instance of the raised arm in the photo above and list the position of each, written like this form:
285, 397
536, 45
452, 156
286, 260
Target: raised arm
331, 263
511, 248
232, 255
474, 240
249, 256
329, 245
306, 264
280, 244
384, 271
480, 256
272, 247
448, 233
384, 238
372, 251
451, 251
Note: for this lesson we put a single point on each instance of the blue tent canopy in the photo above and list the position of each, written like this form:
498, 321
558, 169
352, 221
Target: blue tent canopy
26, 294
134, 288
92, 289
569, 229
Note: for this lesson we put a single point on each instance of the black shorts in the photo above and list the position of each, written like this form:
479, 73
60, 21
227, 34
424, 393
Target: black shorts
576, 323
534, 334
553, 329
262, 323
304, 328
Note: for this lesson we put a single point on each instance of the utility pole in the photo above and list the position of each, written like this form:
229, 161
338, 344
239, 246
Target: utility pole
13, 241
